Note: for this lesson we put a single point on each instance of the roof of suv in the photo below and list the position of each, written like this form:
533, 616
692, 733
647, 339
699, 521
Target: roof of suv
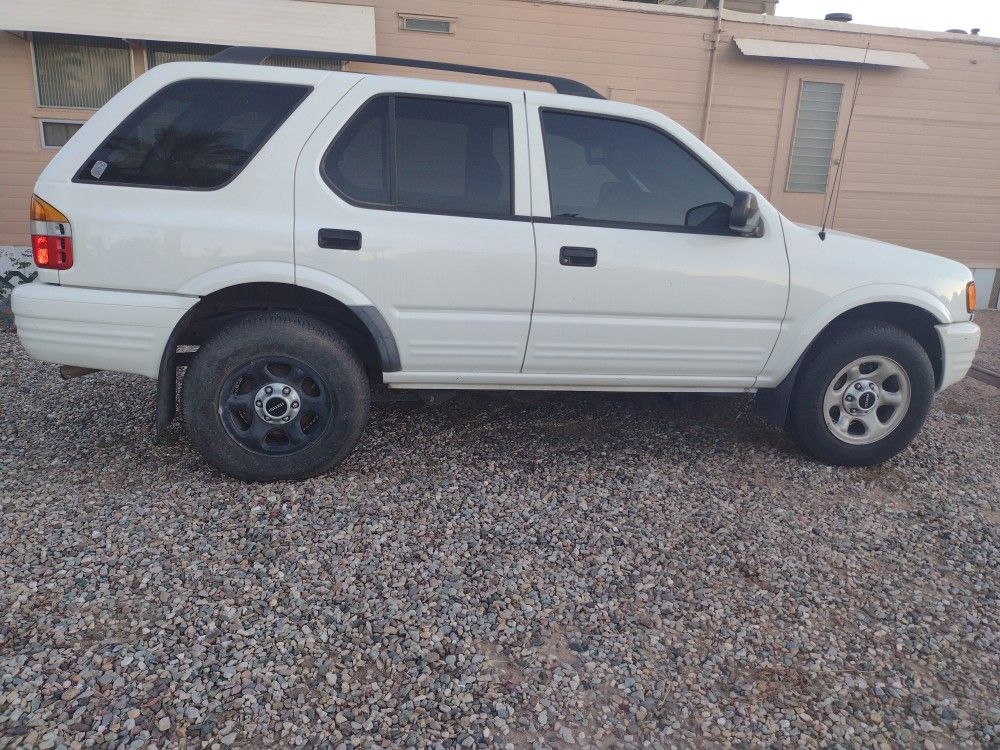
257, 56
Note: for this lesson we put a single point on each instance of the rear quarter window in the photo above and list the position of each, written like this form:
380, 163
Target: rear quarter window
196, 134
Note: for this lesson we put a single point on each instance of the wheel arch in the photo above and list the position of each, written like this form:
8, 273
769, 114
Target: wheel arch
357, 320
772, 404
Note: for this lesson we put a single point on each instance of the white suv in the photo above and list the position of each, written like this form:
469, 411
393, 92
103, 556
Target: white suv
313, 233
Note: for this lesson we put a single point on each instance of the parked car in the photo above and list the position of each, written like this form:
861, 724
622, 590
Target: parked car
294, 237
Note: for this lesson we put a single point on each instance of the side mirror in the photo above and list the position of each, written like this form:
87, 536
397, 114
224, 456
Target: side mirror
745, 216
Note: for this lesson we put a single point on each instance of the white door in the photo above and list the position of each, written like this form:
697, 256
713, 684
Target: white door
639, 279
421, 203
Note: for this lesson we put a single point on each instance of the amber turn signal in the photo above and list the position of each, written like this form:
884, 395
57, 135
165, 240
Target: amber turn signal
42, 211
970, 296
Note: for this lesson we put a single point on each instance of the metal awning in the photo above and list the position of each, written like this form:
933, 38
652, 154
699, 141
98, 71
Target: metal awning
828, 53
273, 23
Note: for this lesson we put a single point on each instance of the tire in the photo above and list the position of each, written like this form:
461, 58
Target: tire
889, 402
315, 411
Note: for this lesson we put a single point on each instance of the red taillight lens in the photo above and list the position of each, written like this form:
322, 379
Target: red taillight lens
52, 251
51, 236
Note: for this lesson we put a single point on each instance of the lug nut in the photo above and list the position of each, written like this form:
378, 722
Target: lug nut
269, 390
284, 419
286, 390
858, 386
260, 404
295, 404
848, 397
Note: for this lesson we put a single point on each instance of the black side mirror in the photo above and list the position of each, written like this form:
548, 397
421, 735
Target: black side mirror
745, 216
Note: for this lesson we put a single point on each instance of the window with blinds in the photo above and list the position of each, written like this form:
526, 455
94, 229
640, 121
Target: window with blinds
293, 61
80, 71
55, 133
815, 129
158, 53
163, 52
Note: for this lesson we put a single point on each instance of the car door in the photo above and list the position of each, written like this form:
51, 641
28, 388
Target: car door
639, 279
419, 202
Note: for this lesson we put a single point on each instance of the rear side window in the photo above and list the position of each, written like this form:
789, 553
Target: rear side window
196, 134
426, 154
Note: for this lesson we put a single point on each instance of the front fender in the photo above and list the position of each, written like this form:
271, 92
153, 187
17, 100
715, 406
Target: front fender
799, 331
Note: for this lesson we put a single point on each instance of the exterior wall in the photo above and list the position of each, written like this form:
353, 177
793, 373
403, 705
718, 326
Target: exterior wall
923, 161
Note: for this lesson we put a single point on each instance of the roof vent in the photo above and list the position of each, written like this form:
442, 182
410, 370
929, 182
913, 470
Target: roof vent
956, 31
842, 17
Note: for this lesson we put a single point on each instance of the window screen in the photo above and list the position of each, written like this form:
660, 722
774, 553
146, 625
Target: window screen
433, 25
194, 134
55, 133
451, 156
607, 170
80, 71
815, 129
166, 52
294, 61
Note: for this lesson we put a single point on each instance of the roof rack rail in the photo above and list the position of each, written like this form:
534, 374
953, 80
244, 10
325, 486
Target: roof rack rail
257, 56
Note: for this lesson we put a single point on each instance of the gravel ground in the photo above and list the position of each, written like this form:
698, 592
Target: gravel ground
531, 571
989, 349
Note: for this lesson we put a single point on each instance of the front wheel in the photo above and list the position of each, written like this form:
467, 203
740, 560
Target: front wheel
275, 396
862, 395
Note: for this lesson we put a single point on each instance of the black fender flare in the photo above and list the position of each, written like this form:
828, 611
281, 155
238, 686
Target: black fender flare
772, 404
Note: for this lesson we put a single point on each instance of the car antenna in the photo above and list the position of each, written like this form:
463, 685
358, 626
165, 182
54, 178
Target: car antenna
835, 193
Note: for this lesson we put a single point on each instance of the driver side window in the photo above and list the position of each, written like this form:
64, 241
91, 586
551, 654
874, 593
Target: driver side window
607, 171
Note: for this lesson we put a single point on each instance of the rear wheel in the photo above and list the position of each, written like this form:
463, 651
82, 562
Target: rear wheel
275, 396
863, 395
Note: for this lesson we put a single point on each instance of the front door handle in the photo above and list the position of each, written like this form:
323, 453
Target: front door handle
339, 239
578, 256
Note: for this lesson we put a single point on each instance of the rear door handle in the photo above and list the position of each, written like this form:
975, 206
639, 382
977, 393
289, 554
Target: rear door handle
339, 239
578, 256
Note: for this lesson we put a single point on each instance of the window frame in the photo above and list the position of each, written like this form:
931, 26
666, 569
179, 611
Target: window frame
634, 225
36, 86
404, 17
58, 121
307, 90
833, 144
391, 158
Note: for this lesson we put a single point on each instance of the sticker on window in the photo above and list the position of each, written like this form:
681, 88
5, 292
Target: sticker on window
98, 169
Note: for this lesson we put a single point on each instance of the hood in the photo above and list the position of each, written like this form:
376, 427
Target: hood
847, 261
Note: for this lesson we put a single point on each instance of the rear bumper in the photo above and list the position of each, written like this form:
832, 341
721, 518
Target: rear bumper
959, 342
106, 330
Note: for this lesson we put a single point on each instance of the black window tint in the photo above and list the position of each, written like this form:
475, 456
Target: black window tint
610, 170
453, 156
192, 134
450, 156
358, 162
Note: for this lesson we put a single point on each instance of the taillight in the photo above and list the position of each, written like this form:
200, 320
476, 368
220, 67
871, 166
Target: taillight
51, 236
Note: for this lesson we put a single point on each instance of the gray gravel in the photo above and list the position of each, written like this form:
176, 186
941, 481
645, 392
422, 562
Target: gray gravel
536, 571
989, 350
